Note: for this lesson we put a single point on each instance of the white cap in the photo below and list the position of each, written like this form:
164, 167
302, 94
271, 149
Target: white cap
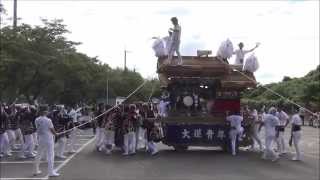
272, 110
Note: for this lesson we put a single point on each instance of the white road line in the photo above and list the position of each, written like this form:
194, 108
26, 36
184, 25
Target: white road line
58, 168
310, 156
78, 144
85, 135
310, 144
27, 178
25, 162
73, 155
17, 151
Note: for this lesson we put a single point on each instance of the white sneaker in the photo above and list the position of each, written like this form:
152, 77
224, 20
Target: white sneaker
37, 173
72, 151
275, 159
54, 174
31, 155
97, 149
282, 153
100, 149
125, 154
295, 159
22, 157
154, 153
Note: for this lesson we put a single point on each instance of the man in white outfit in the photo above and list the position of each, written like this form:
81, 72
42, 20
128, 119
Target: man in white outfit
27, 130
129, 141
175, 43
4, 144
296, 122
100, 118
33, 110
235, 129
284, 121
14, 131
4, 140
61, 144
255, 129
73, 134
46, 133
240, 53
163, 108
270, 123
60, 122
109, 132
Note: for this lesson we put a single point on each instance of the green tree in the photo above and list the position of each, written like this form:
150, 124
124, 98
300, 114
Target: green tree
40, 63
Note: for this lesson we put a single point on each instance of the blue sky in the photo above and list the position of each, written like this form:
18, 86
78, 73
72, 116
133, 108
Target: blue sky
287, 30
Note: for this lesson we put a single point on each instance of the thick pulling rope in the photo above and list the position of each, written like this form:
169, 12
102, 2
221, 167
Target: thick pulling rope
152, 91
268, 89
115, 106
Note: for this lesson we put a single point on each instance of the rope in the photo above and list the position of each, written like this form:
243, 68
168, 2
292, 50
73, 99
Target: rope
115, 106
152, 91
268, 89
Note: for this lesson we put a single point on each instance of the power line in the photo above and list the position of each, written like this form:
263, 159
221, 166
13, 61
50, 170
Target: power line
268, 89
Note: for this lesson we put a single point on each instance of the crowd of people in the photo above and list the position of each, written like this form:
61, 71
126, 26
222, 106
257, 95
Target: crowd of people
35, 131
128, 127
274, 120
41, 131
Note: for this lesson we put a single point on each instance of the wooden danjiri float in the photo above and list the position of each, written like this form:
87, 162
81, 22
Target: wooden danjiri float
201, 91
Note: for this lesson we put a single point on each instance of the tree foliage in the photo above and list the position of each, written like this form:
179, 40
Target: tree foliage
40, 63
304, 91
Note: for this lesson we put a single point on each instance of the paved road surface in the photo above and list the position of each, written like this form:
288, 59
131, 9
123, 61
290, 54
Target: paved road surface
195, 164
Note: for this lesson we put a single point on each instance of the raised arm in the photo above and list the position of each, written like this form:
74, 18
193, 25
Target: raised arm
247, 51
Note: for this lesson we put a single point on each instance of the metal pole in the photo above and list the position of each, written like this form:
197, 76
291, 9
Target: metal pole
125, 60
14, 13
1, 11
107, 91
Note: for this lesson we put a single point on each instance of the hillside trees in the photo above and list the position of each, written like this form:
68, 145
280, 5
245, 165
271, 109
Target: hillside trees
304, 91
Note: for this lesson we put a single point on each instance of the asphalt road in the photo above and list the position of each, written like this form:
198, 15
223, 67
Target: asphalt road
195, 164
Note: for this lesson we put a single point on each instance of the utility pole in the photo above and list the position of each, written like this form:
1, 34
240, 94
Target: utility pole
14, 13
1, 11
107, 91
125, 59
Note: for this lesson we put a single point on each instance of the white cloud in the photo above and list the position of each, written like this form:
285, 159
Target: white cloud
288, 31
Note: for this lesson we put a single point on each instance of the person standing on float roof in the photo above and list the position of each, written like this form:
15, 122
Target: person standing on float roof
175, 43
240, 53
